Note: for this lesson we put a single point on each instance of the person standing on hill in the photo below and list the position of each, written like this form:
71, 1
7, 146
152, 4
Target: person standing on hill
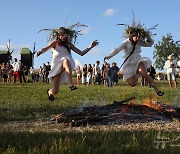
48, 68
84, 74
151, 72
97, 73
62, 63
171, 65
16, 68
114, 71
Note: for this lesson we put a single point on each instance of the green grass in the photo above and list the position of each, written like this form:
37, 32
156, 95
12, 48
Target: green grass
85, 142
28, 102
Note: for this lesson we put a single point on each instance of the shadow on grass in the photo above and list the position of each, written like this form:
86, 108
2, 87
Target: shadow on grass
85, 142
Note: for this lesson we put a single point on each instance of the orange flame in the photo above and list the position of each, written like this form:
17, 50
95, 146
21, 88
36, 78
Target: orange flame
152, 103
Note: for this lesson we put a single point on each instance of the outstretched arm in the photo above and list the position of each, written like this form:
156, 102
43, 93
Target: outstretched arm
43, 50
76, 50
115, 51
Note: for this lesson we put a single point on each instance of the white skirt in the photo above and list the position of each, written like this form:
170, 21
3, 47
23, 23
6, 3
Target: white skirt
56, 68
130, 67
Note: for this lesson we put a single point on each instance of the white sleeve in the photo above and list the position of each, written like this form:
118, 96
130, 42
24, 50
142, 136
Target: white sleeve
178, 63
148, 43
167, 64
117, 50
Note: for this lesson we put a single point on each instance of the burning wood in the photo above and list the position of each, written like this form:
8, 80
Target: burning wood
119, 112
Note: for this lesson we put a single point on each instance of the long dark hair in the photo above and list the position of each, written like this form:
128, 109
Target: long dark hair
133, 42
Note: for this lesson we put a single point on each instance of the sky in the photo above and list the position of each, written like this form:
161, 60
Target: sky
22, 19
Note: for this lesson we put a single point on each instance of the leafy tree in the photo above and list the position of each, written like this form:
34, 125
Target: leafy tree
164, 48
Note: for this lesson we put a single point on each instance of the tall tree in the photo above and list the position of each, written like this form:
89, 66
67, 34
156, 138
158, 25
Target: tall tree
167, 46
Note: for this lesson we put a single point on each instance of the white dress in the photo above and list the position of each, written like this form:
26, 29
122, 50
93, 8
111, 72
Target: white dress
131, 65
60, 53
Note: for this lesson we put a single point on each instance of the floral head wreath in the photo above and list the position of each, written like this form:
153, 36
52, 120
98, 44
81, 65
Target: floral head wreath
71, 34
137, 29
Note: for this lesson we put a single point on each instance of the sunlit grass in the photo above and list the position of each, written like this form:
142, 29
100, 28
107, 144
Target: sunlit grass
21, 103
29, 101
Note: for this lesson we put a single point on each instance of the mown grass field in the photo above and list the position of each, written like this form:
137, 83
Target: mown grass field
24, 103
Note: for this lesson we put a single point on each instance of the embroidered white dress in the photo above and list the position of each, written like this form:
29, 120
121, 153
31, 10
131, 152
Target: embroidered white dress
59, 54
131, 65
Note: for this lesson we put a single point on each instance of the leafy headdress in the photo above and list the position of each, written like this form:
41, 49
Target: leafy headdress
71, 34
137, 29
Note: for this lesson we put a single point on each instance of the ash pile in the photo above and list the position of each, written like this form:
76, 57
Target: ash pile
119, 112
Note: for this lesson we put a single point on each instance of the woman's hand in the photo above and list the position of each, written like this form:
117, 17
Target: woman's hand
93, 44
38, 53
107, 57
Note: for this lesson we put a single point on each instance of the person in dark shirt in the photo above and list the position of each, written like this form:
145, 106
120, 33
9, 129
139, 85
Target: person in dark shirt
151, 72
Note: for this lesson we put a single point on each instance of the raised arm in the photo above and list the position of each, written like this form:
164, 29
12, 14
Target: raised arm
148, 43
43, 50
76, 50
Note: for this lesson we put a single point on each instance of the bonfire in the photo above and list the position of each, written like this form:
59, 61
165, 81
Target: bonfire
119, 112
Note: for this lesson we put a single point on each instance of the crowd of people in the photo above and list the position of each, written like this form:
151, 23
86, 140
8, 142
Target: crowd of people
17, 72
106, 74
13, 72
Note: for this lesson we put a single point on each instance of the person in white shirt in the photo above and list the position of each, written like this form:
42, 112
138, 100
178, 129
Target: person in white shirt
134, 65
16, 67
171, 65
178, 63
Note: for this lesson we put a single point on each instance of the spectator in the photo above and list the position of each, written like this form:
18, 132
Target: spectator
10, 72
178, 63
21, 72
4, 73
26, 73
114, 72
44, 72
33, 76
89, 74
108, 75
78, 75
151, 72
16, 67
84, 74
171, 65
48, 68
41, 73
102, 72
97, 73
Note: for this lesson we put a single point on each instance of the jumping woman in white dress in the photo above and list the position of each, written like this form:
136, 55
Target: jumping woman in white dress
134, 64
62, 63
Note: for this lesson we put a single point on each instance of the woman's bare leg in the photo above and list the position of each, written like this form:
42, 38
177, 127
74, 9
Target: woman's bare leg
55, 84
132, 81
68, 70
142, 71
